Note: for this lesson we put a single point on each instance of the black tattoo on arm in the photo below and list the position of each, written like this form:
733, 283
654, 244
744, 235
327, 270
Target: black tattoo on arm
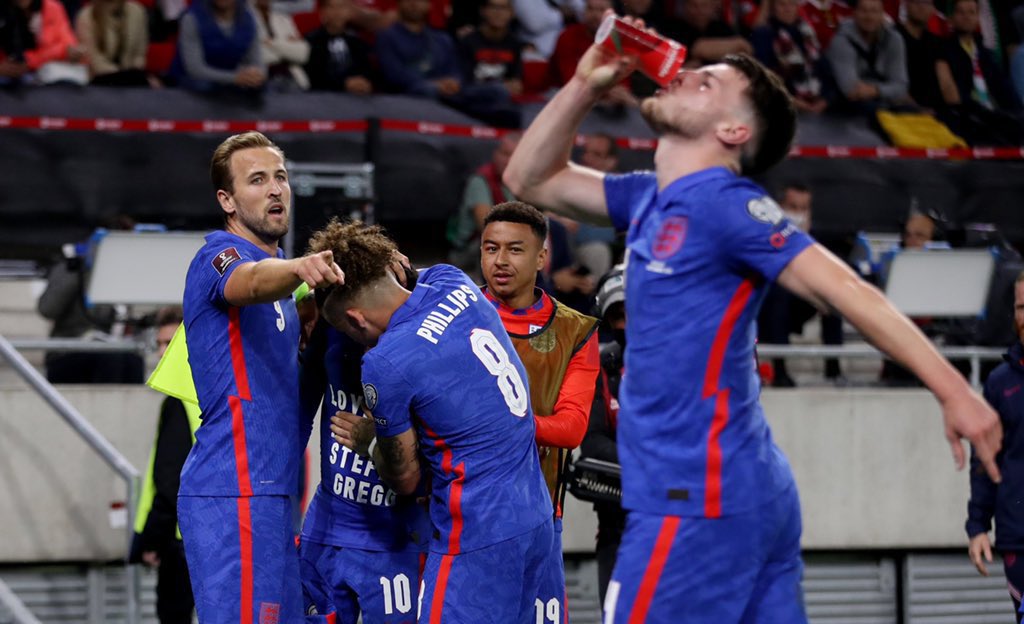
397, 461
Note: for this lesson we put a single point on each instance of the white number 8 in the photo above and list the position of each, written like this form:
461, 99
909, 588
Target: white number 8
495, 358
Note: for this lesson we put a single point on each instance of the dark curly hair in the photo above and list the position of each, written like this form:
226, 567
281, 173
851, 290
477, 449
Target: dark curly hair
775, 116
363, 252
519, 212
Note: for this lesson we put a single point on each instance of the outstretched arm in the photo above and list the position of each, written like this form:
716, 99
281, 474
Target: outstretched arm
272, 279
539, 171
821, 278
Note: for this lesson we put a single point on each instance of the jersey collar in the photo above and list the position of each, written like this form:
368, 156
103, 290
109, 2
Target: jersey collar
681, 185
224, 235
411, 305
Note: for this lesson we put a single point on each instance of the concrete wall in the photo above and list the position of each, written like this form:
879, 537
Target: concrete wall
873, 469
55, 492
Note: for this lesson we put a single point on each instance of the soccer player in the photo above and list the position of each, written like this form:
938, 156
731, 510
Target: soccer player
558, 347
235, 500
442, 379
362, 546
714, 521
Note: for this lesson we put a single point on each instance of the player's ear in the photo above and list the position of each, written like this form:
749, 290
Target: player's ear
542, 257
356, 318
734, 132
226, 201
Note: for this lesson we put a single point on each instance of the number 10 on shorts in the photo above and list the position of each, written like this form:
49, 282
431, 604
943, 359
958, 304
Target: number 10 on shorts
397, 594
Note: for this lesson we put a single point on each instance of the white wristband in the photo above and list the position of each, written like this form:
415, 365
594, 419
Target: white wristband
369, 449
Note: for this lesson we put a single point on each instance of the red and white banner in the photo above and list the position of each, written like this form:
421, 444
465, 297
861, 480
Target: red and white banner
223, 126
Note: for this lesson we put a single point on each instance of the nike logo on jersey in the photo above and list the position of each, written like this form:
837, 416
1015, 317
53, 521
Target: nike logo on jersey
432, 327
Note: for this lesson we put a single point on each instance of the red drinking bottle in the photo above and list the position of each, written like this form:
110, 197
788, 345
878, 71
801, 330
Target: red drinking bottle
658, 58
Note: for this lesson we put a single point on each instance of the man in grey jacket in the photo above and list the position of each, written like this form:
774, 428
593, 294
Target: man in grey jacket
869, 60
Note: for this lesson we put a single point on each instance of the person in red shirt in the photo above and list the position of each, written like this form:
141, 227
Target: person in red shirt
576, 39
824, 16
558, 347
38, 35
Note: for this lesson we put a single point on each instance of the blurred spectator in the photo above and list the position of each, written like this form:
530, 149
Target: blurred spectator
918, 233
783, 313
575, 39
745, 15
157, 541
283, 50
1017, 51
339, 60
115, 36
706, 38
594, 243
416, 59
869, 60
373, 16
922, 53
63, 302
219, 48
647, 10
540, 22
491, 53
38, 43
824, 16
787, 45
483, 191
974, 85
465, 14
164, 19
561, 275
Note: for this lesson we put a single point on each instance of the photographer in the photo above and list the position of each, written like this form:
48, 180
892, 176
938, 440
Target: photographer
599, 442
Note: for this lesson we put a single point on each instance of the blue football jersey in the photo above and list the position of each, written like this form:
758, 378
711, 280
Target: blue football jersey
693, 440
244, 364
352, 507
446, 367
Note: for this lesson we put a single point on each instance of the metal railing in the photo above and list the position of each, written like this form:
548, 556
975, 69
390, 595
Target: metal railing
99, 444
17, 609
77, 344
975, 355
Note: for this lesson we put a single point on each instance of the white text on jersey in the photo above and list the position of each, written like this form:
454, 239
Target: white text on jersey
432, 327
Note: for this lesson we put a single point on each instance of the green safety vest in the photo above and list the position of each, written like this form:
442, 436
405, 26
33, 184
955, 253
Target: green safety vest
148, 486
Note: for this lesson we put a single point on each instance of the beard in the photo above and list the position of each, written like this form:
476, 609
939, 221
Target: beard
649, 111
263, 227
653, 112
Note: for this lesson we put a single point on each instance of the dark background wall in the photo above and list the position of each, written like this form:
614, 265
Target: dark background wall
57, 185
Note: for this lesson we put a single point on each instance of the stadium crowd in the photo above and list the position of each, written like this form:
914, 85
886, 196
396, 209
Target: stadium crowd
956, 61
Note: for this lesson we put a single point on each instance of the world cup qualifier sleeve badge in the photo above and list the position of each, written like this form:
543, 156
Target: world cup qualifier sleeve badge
224, 259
